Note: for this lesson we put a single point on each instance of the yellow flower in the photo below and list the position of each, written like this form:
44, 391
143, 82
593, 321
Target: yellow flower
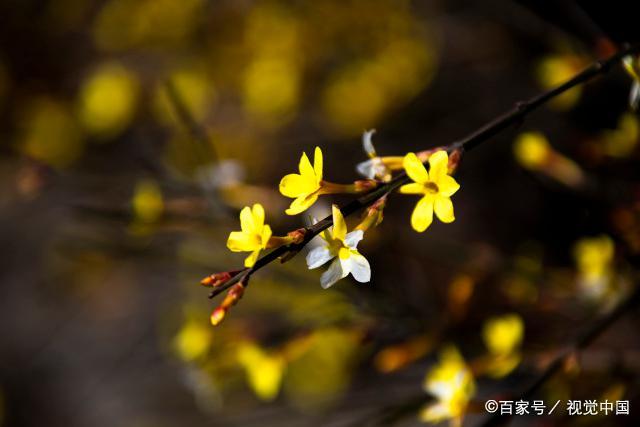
503, 336
532, 150
147, 201
264, 370
594, 259
342, 246
632, 65
304, 187
553, 70
254, 236
623, 140
451, 383
437, 186
192, 341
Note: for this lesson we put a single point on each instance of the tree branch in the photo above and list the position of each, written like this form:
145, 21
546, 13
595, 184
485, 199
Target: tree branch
511, 117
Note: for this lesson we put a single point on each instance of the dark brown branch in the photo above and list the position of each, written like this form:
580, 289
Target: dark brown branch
521, 109
492, 128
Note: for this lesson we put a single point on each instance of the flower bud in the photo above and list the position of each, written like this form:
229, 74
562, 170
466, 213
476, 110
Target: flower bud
218, 279
217, 316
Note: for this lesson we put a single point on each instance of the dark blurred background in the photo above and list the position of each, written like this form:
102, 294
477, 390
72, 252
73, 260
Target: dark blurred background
133, 131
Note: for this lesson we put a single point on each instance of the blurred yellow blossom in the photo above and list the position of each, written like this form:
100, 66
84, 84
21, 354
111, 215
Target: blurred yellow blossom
359, 93
321, 369
632, 65
194, 88
123, 24
555, 70
503, 336
254, 236
533, 151
147, 201
623, 140
452, 385
342, 246
304, 187
264, 370
271, 88
272, 79
108, 100
594, 258
436, 186
193, 340
50, 133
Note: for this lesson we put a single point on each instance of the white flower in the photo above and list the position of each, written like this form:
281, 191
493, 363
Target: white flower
342, 246
374, 167
371, 168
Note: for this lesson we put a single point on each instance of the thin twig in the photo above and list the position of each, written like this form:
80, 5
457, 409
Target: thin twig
511, 117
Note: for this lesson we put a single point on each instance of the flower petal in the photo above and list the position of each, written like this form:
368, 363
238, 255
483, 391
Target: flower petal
306, 170
444, 209
415, 169
413, 188
339, 226
438, 165
367, 143
422, 215
266, 235
447, 186
326, 235
246, 220
317, 164
318, 256
372, 168
301, 204
294, 185
240, 242
257, 212
332, 275
366, 169
352, 239
358, 266
251, 259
